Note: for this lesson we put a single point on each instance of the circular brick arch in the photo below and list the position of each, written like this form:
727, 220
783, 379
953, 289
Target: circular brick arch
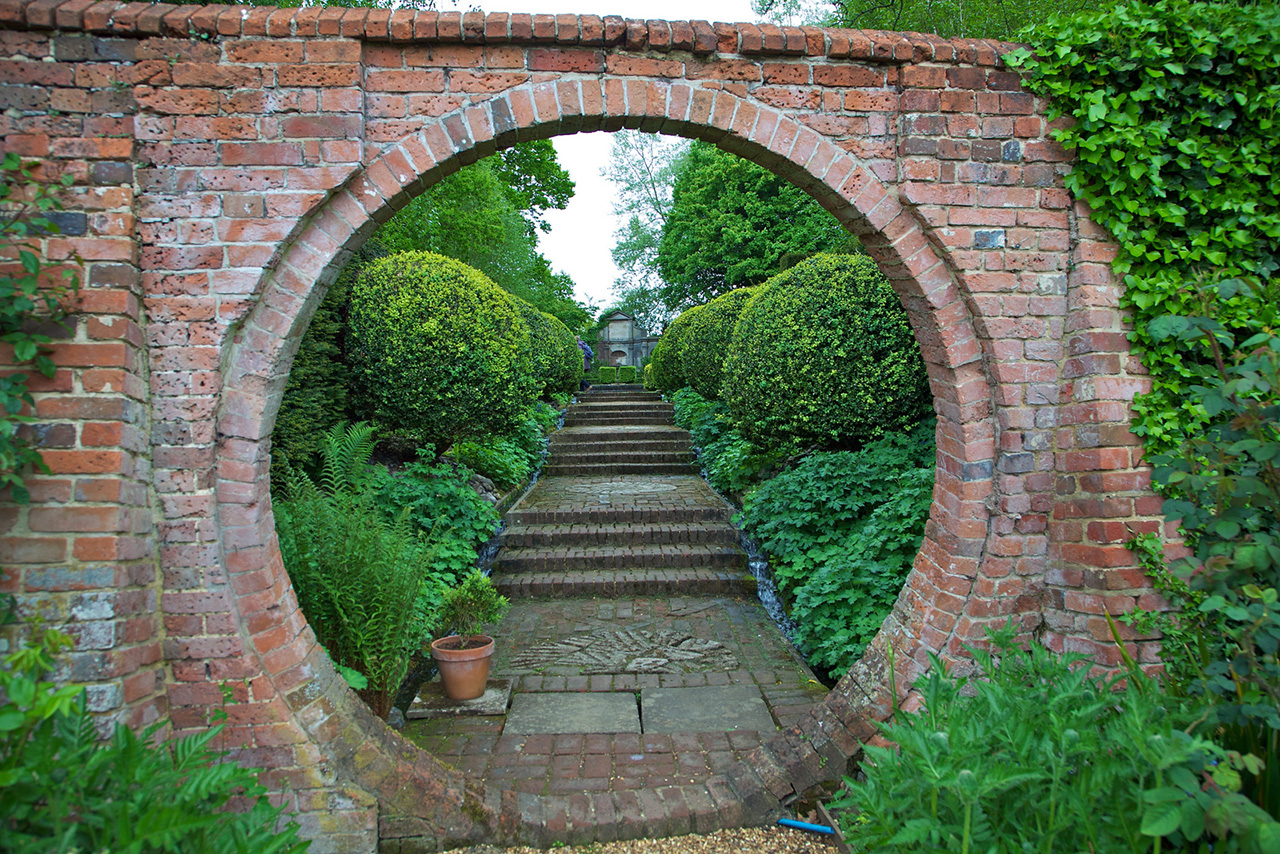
211, 144
261, 351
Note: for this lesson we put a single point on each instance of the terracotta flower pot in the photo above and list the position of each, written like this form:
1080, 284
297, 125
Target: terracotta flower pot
463, 671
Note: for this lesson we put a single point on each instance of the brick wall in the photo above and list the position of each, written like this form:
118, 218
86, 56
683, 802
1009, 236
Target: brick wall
227, 161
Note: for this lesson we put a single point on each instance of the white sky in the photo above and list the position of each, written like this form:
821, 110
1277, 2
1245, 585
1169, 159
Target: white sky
582, 234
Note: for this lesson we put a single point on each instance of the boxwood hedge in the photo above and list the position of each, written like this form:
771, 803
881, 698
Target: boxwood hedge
668, 372
557, 361
706, 344
824, 356
439, 348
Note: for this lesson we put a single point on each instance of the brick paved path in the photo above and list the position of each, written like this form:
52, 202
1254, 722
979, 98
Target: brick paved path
625, 576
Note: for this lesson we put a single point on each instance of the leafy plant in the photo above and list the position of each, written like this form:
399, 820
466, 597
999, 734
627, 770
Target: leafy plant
439, 348
366, 585
449, 518
706, 345
607, 374
1035, 755
732, 463
823, 356
1225, 490
495, 457
557, 361
467, 607
28, 292
1173, 120
626, 373
667, 372
66, 791
842, 530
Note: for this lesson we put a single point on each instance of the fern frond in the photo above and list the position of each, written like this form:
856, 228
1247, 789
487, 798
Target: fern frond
347, 451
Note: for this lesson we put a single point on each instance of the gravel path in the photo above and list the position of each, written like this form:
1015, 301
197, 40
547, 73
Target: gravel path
746, 840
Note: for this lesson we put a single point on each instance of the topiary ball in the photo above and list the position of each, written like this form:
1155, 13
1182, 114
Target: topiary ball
557, 361
668, 373
706, 343
440, 349
823, 355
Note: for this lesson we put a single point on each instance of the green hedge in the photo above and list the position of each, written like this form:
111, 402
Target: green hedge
607, 373
707, 342
824, 356
439, 348
627, 373
557, 361
668, 372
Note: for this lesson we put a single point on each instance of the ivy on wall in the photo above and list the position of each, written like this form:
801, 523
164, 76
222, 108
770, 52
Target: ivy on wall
1174, 110
31, 294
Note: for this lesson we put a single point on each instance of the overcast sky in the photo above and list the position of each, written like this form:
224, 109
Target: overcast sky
582, 234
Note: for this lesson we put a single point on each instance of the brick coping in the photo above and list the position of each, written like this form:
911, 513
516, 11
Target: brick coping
404, 26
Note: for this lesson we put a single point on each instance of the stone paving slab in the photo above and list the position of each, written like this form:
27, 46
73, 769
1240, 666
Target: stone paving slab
432, 701
726, 708
652, 493
558, 714
751, 654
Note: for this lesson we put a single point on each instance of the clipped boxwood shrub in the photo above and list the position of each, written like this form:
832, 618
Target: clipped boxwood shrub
704, 346
824, 356
648, 378
627, 373
439, 349
557, 361
668, 372
608, 373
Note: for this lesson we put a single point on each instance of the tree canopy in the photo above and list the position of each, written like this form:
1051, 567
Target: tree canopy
733, 224
487, 215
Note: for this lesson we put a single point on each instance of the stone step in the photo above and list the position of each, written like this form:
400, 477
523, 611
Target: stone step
623, 582
622, 409
622, 403
618, 419
530, 536
597, 558
591, 455
567, 450
555, 468
610, 516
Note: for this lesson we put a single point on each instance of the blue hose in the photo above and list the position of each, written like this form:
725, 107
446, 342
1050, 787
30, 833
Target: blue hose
804, 825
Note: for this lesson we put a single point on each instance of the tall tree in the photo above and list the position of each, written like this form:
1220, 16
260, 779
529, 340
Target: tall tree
976, 19
488, 215
642, 168
733, 224
534, 181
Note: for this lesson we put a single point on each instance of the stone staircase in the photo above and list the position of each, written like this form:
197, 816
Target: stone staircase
619, 510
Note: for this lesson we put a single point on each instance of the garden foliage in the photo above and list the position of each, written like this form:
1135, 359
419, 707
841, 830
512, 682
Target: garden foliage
450, 519
626, 373
709, 337
508, 460
607, 374
66, 790
1173, 107
365, 583
731, 463
823, 355
842, 529
440, 350
665, 361
557, 361
733, 224
1035, 755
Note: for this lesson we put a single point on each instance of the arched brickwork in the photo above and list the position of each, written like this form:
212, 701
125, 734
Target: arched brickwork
269, 145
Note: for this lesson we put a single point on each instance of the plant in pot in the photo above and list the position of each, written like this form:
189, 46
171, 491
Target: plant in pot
463, 657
